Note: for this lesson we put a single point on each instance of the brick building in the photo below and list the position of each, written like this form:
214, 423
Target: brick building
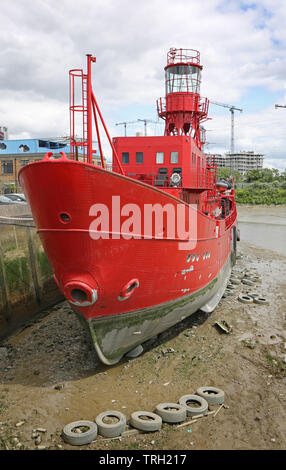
14, 154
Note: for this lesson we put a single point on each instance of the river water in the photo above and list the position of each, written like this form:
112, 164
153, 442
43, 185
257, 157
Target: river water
263, 226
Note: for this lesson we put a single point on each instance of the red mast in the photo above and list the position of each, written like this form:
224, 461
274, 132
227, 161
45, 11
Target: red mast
182, 108
89, 108
85, 108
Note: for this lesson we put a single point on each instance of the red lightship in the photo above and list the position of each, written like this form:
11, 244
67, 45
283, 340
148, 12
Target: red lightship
137, 249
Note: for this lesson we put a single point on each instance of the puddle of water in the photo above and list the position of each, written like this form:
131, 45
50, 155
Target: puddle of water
264, 227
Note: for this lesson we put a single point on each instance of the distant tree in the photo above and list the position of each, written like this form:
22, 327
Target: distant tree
227, 174
253, 175
267, 175
275, 173
223, 173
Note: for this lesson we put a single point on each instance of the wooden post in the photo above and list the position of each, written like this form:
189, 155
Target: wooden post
33, 265
6, 308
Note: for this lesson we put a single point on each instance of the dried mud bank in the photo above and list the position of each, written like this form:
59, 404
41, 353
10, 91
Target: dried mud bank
50, 374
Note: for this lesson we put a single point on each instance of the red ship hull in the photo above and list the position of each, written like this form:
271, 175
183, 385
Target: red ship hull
125, 290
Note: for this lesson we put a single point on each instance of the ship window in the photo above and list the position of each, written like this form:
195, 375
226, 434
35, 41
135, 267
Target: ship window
139, 157
7, 167
174, 157
125, 157
186, 197
183, 78
160, 157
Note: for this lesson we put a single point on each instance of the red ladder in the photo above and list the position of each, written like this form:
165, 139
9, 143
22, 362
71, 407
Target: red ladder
87, 107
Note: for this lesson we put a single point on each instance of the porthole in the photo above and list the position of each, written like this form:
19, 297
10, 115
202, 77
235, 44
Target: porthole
65, 218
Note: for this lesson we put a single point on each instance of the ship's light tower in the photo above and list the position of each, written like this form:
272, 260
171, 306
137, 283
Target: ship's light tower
183, 109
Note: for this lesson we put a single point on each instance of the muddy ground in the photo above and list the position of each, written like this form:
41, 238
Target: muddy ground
50, 374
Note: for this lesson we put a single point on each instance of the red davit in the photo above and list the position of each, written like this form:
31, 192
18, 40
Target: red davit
137, 249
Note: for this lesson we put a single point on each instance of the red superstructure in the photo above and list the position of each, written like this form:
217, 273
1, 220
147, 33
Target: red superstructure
136, 249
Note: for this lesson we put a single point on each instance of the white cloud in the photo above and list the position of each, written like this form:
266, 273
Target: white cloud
261, 132
241, 47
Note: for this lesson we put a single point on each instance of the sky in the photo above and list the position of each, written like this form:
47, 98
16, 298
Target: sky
242, 47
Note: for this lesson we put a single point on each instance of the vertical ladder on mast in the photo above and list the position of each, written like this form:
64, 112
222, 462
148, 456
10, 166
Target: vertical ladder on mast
88, 107
84, 116
78, 107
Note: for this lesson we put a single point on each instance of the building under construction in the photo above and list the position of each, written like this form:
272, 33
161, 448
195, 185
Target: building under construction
240, 161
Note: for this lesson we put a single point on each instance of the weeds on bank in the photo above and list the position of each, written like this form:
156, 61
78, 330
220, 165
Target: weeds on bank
157, 440
276, 365
3, 405
6, 438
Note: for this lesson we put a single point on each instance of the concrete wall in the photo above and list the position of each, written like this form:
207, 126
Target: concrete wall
26, 283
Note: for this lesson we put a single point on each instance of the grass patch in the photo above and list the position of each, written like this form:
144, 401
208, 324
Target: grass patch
3, 406
44, 264
276, 365
17, 273
10, 247
186, 366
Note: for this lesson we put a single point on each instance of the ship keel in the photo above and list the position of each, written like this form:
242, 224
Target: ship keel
116, 335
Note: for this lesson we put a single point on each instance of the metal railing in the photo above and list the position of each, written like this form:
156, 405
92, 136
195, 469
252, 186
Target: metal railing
183, 56
229, 220
201, 105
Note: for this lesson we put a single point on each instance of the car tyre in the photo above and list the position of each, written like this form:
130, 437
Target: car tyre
171, 412
213, 395
112, 429
194, 410
76, 439
153, 424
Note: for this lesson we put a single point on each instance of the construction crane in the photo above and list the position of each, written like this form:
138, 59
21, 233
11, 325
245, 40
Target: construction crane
145, 124
134, 122
232, 109
125, 125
